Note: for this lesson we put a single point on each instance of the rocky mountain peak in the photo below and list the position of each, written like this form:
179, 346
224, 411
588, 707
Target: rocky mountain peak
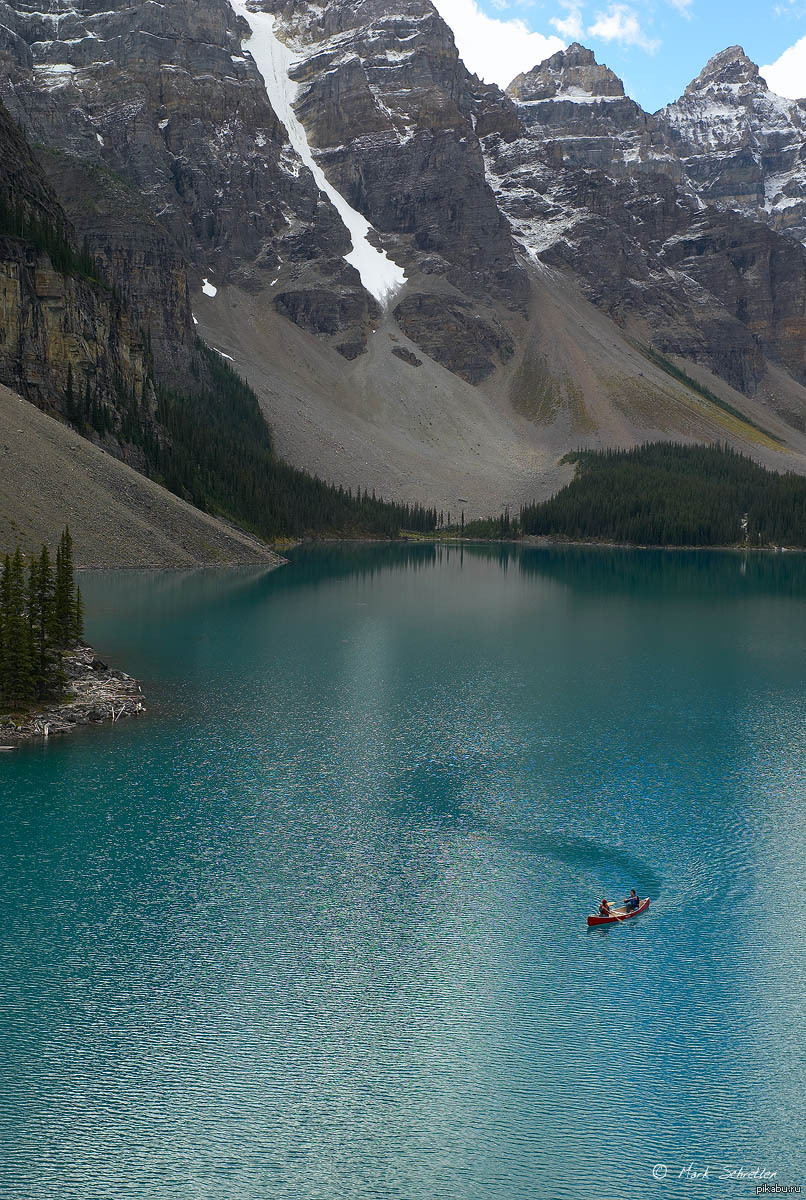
728, 69
573, 73
740, 144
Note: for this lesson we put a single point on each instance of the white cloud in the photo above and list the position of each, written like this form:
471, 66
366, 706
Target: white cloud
787, 75
494, 49
682, 6
569, 26
620, 24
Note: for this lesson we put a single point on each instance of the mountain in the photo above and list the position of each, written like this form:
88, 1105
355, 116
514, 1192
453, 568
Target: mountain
598, 187
434, 286
742, 147
388, 110
578, 109
68, 341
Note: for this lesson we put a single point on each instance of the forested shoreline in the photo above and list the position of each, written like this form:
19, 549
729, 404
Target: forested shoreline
660, 494
667, 494
41, 617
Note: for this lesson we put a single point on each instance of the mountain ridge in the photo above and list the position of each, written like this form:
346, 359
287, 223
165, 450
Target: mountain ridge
515, 216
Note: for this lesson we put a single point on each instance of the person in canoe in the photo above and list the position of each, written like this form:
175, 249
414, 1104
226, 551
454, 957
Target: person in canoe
604, 909
632, 900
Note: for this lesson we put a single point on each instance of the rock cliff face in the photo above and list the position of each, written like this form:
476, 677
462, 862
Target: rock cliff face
133, 249
62, 331
162, 99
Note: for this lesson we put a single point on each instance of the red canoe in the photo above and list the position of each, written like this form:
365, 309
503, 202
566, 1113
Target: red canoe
620, 914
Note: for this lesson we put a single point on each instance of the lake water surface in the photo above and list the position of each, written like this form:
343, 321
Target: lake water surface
314, 928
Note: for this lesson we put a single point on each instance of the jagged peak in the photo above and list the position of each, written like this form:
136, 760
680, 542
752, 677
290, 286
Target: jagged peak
575, 55
730, 66
568, 71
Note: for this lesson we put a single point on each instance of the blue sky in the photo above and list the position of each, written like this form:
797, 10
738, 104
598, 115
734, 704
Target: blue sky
656, 46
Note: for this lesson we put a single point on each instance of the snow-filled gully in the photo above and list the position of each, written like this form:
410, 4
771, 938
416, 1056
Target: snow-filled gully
381, 277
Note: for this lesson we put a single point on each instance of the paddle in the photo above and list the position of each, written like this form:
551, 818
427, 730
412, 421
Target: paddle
614, 915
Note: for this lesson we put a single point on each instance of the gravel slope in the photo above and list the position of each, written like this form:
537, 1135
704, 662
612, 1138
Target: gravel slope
419, 433
49, 477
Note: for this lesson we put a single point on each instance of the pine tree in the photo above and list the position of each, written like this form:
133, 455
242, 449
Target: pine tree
37, 620
64, 615
5, 605
47, 662
18, 680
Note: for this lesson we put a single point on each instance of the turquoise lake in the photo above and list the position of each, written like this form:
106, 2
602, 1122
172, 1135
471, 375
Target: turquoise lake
314, 927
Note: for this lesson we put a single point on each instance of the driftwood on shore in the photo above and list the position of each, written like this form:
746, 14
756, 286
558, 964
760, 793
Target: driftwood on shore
94, 693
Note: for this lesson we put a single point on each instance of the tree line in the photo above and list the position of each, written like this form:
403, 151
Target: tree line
666, 494
218, 453
41, 616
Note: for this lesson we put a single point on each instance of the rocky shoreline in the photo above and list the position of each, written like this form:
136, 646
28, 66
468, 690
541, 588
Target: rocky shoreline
94, 693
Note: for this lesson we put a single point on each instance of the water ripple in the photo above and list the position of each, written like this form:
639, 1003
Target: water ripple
318, 929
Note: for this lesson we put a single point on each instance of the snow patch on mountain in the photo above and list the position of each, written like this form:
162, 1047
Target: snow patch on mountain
577, 95
55, 74
381, 277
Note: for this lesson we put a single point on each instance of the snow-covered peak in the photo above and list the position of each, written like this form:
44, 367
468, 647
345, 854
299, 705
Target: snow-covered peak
729, 104
731, 68
741, 144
